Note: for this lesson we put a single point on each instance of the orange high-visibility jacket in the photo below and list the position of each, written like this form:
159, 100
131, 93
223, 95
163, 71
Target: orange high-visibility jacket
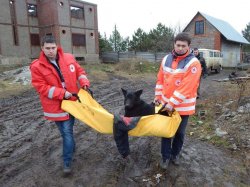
48, 83
177, 82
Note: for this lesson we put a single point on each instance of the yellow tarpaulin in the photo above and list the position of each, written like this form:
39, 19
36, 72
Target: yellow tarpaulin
94, 115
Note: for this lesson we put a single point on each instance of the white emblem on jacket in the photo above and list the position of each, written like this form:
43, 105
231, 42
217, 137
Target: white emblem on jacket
177, 82
194, 70
72, 68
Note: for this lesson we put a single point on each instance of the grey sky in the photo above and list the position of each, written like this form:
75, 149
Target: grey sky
129, 15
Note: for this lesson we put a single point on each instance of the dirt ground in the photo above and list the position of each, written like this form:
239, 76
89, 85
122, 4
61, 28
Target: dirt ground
31, 147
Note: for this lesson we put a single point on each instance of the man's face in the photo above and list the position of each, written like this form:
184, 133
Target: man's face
181, 47
196, 52
50, 50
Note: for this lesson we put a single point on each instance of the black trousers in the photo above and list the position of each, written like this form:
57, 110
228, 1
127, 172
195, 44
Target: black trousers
120, 130
171, 147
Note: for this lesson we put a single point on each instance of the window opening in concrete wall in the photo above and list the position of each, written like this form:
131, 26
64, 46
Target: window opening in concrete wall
61, 3
13, 21
91, 35
63, 31
199, 27
32, 10
78, 40
78, 58
34, 40
77, 12
90, 9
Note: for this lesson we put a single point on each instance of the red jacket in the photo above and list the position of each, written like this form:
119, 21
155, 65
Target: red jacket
48, 84
177, 82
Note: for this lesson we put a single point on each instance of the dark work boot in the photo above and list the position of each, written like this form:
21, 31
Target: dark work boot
175, 160
164, 164
131, 168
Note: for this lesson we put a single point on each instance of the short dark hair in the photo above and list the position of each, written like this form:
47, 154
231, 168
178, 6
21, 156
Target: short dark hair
48, 39
183, 36
196, 49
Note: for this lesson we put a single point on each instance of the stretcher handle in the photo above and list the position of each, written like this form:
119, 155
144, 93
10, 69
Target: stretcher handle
168, 112
163, 106
78, 98
75, 95
90, 92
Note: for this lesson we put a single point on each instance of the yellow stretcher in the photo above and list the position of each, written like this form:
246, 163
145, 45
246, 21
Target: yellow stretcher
94, 115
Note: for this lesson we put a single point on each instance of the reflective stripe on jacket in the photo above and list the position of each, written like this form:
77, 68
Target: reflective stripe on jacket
48, 84
178, 86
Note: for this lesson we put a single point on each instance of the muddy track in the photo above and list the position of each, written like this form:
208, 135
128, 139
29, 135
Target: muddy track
30, 149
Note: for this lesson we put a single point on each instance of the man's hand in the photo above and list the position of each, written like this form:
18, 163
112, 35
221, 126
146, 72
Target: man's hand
168, 108
157, 102
85, 88
67, 95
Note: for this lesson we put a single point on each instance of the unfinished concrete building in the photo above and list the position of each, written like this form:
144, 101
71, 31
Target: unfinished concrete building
24, 22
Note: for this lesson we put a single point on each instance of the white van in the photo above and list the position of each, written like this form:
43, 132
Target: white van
213, 59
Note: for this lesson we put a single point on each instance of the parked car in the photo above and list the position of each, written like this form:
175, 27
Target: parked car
213, 59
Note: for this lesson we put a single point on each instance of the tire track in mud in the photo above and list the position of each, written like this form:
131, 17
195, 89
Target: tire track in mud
31, 148
19, 126
30, 142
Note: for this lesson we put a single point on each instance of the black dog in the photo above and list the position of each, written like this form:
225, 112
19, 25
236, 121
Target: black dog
135, 106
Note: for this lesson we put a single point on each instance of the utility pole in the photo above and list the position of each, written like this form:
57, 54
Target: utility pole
115, 39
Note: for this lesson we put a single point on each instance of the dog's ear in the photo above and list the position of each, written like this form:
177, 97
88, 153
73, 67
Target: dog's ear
124, 92
138, 93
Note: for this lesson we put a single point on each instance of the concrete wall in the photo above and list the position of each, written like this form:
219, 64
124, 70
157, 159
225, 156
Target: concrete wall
231, 53
5, 12
8, 61
63, 12
65, 39
53, 17
90, 41
21, 13
8, 47
89, 13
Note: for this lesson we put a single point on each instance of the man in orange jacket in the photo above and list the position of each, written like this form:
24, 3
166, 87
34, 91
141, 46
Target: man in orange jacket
176, 89
54, 76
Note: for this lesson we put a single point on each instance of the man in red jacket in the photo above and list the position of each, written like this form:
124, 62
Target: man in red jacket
176, 88
54, 76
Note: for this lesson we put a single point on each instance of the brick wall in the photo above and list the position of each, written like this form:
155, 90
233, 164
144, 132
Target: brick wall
53, 17
211, 39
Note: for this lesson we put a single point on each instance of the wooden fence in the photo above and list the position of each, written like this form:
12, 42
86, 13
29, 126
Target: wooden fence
115, 57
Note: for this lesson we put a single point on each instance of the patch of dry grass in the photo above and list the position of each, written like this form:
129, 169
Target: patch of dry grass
9, 67
133, 69
96, 72
137, 67
203, 127
9, 89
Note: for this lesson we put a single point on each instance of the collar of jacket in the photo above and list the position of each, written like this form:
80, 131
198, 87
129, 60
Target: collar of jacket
43, 59
180, 57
